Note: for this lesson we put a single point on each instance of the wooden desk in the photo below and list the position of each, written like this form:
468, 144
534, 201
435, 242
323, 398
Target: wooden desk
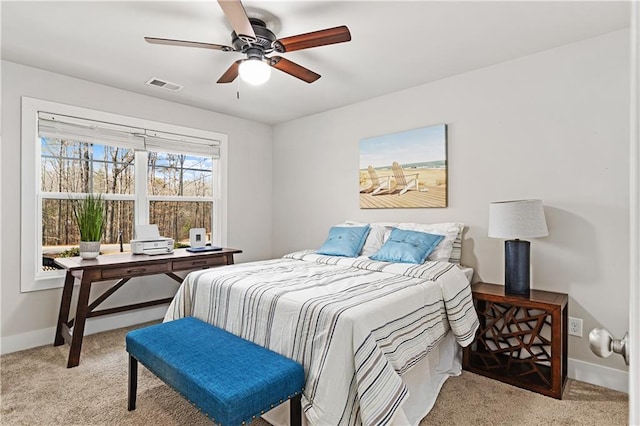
121, 267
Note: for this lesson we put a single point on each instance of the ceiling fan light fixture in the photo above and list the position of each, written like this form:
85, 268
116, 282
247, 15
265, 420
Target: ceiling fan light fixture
250, 36
254, 71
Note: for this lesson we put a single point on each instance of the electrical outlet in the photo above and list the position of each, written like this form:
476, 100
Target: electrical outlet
575, 326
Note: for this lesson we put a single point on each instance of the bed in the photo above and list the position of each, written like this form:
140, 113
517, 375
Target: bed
377, 339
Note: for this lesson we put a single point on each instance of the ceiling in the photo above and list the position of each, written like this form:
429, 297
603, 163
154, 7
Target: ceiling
395, 45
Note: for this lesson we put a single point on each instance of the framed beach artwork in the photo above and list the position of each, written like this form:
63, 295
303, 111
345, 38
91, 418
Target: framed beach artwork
404, 170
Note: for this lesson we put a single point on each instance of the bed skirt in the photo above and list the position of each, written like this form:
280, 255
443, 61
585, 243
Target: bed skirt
424, 381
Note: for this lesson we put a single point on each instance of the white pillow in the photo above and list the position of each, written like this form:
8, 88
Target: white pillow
450, 230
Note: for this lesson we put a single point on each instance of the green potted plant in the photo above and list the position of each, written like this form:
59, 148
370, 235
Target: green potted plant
90, 217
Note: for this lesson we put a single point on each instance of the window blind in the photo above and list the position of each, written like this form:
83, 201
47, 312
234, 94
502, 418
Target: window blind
82, 130
181, 144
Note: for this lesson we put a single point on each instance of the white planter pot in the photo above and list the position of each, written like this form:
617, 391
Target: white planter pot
89, 249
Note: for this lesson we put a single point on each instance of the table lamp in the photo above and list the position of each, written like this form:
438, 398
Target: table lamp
513, 220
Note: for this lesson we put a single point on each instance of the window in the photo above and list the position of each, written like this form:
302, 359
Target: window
147, 172
179, 185
76, 158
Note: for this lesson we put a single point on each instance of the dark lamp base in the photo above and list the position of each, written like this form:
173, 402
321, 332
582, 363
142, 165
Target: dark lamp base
516, 267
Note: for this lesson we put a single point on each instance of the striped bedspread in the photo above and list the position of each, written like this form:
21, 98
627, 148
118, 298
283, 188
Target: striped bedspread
356, 325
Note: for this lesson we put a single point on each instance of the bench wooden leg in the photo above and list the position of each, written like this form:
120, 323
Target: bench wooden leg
295, 411
133, 382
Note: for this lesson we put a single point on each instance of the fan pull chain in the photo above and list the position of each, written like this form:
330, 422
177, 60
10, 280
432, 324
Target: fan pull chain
238, 90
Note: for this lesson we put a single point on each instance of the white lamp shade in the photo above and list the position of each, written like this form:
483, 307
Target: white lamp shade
254, 71
517, 219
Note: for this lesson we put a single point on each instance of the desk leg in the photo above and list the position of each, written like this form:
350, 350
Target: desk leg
81, 317
65, 304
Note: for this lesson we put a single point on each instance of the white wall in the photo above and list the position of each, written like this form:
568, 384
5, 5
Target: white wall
553, 126
30, 317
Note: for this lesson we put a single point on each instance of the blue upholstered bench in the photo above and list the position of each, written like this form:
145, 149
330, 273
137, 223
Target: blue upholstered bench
228, 378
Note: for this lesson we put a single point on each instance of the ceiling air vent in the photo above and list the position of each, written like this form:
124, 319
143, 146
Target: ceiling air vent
164, 84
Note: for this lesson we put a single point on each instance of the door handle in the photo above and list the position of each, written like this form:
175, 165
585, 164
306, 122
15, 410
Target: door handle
603, 344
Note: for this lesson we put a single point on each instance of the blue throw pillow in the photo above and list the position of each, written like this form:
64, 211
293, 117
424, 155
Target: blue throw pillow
405, 246
344, 241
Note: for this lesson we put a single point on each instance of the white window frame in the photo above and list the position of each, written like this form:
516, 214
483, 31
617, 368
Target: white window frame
32, 276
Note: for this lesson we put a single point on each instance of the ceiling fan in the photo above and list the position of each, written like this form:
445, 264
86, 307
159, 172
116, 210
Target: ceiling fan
252, 37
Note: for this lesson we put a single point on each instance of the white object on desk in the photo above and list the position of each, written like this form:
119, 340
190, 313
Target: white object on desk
149, 241
197, 237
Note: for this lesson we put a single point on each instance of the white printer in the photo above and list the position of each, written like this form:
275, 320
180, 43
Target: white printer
149, 241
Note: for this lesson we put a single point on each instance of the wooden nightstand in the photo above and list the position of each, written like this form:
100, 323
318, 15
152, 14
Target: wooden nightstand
521, 340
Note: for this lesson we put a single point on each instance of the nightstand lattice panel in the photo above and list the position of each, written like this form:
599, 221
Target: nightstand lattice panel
514, 341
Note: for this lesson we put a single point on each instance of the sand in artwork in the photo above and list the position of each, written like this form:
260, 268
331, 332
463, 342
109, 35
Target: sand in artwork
434, 181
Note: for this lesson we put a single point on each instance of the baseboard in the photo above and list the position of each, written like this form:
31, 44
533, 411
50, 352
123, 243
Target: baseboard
33, 339
607, 377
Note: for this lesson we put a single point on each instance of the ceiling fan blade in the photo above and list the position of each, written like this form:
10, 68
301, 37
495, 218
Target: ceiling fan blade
237, 17
231, 73
313, 39
293, 69
170, 42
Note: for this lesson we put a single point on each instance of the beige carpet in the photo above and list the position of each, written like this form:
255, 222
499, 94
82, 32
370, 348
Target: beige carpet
37, 389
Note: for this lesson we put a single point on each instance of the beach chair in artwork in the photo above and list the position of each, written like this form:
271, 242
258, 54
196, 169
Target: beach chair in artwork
406, 181
378, 185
